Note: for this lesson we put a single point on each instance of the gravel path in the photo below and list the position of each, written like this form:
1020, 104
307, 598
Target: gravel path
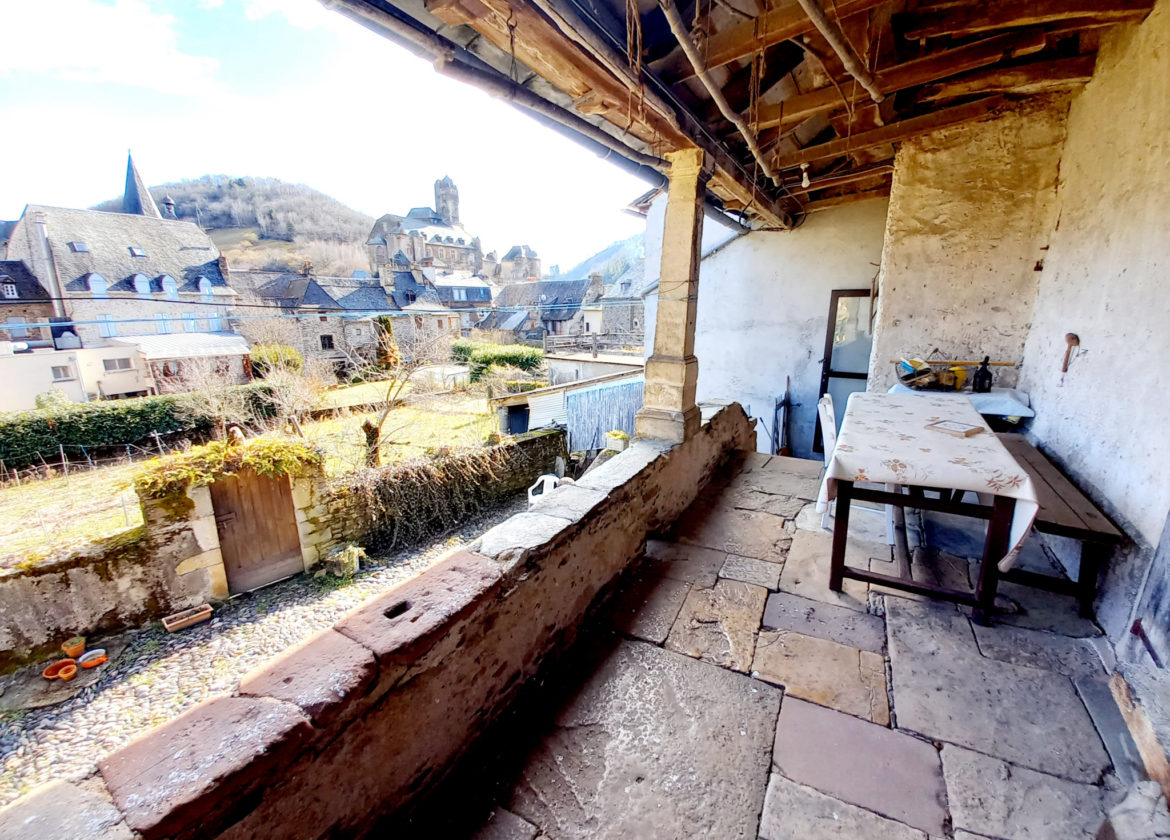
159, 675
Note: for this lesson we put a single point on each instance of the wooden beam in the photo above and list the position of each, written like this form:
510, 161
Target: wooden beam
1037, 77
972, 18
742, 40
849, 198
894, 133
920, 71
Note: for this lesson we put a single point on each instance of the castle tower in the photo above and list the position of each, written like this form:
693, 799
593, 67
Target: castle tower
447, 200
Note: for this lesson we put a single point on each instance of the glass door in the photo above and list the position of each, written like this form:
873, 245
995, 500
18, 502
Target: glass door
848, 341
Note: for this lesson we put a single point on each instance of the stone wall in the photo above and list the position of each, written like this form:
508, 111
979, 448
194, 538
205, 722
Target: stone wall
361, 719
107, 586
971, 210
1105, 280
376, 507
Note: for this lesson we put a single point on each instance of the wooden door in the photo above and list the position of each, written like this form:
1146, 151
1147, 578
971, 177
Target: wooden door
257, 529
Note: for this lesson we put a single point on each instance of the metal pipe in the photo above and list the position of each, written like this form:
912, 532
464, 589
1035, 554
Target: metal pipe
684, 39
840, 44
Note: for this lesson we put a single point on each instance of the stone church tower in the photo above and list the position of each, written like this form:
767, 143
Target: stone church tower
447, 201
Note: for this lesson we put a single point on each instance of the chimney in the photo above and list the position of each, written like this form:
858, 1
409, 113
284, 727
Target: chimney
596, 284
307, 269
169, 207
48, 269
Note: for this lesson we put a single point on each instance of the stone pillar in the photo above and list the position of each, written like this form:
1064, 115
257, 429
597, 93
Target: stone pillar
669, 411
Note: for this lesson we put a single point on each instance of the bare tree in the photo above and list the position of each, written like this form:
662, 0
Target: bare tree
400, 358
296, 392
212, 390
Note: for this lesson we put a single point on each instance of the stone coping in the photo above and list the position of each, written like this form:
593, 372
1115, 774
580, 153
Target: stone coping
359, 720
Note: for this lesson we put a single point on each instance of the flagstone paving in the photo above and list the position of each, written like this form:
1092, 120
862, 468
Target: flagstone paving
898, 719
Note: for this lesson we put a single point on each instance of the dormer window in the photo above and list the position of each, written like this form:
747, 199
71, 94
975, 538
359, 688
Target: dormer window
141, 285
10, 291
97, 286
205, 288
79, 247
137, 252
170, 287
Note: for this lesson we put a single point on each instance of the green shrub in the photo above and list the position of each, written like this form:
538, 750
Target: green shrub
28, 436
53, 400
266, 357
461, 350
171, 475
514, 355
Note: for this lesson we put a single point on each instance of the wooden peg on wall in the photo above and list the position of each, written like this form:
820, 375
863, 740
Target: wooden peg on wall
1072, 340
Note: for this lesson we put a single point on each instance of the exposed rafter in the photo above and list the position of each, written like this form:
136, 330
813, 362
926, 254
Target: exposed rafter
1037, 77
972, 18
895, 133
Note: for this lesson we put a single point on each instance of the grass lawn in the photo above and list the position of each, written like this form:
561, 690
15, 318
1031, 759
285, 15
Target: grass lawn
48, 516
364, 393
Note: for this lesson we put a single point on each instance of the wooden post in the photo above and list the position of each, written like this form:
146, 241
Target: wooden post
669, 411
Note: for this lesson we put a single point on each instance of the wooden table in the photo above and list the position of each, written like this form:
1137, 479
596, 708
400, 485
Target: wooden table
883, 441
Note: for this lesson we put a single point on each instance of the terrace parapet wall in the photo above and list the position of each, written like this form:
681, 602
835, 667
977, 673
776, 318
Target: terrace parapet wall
384, 703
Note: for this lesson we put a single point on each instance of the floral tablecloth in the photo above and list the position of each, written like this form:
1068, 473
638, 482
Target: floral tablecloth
884, 439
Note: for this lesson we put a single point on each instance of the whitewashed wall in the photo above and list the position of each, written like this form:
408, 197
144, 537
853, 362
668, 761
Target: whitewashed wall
764, 308
1105, 279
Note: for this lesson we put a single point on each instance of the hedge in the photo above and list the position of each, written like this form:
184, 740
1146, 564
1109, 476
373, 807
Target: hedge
514, 355
28, 436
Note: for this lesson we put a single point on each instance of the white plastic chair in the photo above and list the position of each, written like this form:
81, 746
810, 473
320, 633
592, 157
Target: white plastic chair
544, 484
829, 436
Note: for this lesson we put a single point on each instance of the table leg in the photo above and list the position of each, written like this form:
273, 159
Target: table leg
1093, 556
999, 531
840, 535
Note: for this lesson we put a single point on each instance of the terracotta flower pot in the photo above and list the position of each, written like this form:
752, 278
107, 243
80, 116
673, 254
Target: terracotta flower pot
68, 672
74, 647
53, 672
93, 658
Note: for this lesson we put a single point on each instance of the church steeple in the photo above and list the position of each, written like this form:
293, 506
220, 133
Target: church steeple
137, 199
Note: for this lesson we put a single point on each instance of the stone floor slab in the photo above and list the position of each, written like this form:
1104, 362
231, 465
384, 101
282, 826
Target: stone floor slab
697, 566
1036, 609
719, 625
825, 621
504, 825
61, 811
843, 678
796, 812
750, 570
748, 533
945, 690
1038, 649
647, 607
806, 571
991, 797
883, 770
1097, 696
784, 477
654, 746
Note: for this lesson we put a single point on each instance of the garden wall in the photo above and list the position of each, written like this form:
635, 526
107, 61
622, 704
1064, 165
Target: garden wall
362, 718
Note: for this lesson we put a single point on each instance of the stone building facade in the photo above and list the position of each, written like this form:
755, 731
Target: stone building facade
23, 300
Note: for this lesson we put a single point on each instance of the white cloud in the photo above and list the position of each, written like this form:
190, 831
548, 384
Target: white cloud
126, 43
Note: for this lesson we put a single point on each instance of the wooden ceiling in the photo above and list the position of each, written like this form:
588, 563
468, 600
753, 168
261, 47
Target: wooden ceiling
781, 76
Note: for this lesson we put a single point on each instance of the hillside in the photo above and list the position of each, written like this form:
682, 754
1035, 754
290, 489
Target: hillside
267, 223
610, 261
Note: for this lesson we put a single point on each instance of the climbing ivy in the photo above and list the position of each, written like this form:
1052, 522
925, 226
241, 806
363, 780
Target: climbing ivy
169, 477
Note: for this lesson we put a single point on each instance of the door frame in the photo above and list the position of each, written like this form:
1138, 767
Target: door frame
827, 372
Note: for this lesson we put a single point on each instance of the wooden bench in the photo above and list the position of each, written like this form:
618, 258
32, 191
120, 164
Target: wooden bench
1066, 512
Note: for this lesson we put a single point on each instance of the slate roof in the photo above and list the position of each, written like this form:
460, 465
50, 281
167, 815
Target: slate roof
518, 251
425, 222
553, 300
28, 289
175, 248
136, 199
628, 285
293, 291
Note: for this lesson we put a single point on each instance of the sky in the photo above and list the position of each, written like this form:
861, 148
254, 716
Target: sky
284, 89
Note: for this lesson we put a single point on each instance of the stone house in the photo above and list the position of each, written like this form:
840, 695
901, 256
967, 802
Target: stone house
426, 232
23, 300
984, 179
133, 272
518, 265
546, 307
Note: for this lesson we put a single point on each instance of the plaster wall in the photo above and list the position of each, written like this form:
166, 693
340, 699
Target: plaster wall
764, 308
971, 211
1105, 280
25, 375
